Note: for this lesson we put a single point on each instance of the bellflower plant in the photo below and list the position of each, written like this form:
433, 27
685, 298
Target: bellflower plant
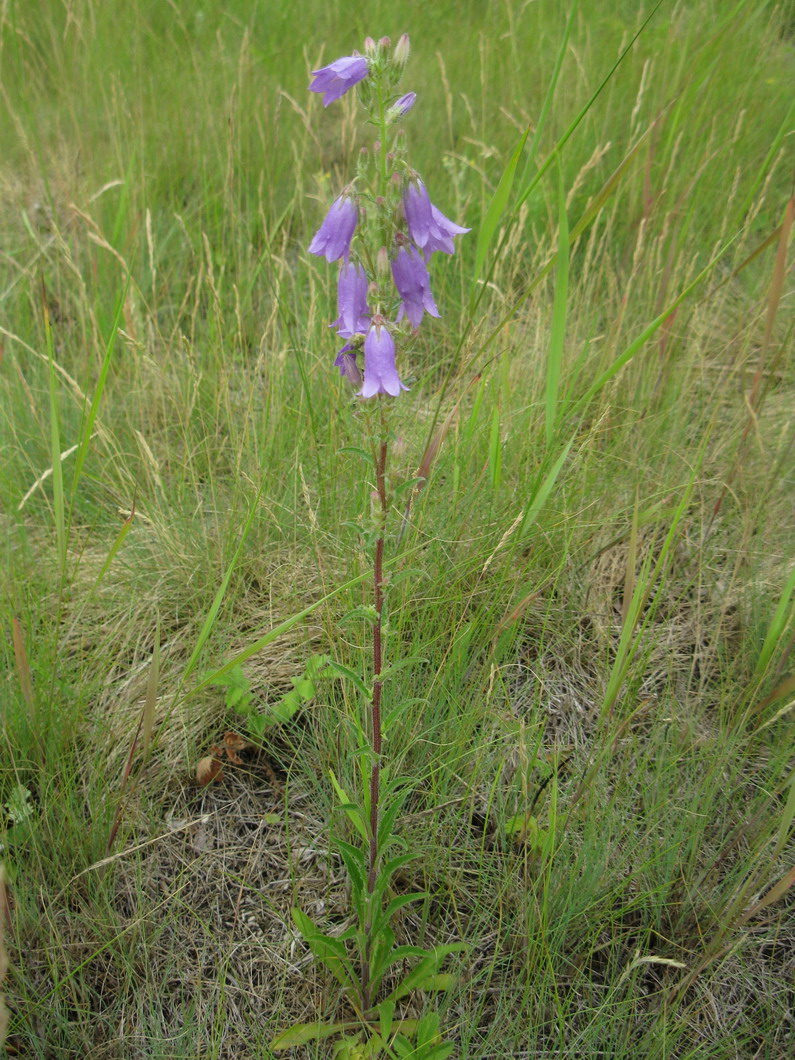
384, 228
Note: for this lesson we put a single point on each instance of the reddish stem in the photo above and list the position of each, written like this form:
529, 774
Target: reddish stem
375, 772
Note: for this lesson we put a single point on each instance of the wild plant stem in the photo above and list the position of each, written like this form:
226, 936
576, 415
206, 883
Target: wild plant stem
375, 715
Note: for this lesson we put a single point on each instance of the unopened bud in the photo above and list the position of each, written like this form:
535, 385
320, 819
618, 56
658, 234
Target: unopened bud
370, 47
401, 107
402, 49
382, 261
376, 146
397, 179
385, 42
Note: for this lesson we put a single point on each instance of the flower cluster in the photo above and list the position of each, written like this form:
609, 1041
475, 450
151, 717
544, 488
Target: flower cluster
382, 227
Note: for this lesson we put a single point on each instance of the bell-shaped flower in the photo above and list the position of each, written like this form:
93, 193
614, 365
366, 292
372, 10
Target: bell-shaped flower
380, 373
414, 286
338, 77
354, 312
349, 369
333, 239
429, 229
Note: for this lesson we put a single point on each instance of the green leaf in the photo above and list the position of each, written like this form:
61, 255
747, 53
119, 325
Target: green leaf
400, 664
396, 905
353, 812
389, 817
257, 724
439, 1052
428, 1030
389, 719
440, 981
354, 450
304, 687
386, 1014
233, 697
316, 665
389, 870
409, 572
327, 949
302, 1033
362, 613
353, 677
426, 970
283, 709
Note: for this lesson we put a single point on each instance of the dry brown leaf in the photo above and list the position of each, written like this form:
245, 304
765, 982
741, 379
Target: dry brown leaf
233, 743
208, 769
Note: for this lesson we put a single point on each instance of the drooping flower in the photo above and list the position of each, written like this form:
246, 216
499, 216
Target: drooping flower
349, 369
352, 301
333, 239
401, 106
380, 373
335, 79
429, 229
414, 286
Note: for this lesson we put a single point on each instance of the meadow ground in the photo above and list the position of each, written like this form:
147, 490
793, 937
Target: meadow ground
597, 578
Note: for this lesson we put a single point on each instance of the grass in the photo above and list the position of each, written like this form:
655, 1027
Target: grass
599, 730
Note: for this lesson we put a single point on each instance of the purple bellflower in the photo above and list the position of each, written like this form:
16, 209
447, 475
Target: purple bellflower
352, 301
380, 373
428, 227
333, 239
346, 362
338, 77
414, 286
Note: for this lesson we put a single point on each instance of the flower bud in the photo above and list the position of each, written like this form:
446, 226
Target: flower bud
385, 42
370, 47
382, 262
401, 107
402, 49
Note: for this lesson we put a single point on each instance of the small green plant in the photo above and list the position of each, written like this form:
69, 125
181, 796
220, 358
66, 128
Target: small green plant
238, 695
18, 812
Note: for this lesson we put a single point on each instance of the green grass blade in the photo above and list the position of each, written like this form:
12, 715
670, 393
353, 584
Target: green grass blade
539, 497
778, 624
88, 424
558, 335
59, 506
215, 607
497, 206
